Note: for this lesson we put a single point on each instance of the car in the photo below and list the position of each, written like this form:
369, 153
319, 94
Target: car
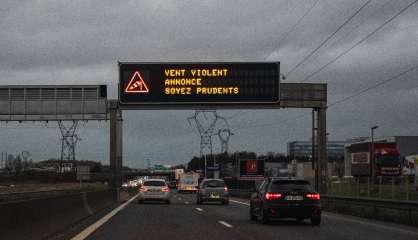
155, 190
278, 198
212, 190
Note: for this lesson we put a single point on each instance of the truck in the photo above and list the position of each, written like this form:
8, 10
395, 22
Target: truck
188, 182
409, 165
387, 160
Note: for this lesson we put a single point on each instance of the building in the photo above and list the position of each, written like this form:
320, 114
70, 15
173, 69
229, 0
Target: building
302, 150
405, 145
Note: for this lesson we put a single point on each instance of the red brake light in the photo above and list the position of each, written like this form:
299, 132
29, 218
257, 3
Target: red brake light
272, 196
313, 196
165, 189
143, 189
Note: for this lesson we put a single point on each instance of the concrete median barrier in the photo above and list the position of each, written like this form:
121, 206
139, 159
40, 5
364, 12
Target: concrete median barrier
41, 218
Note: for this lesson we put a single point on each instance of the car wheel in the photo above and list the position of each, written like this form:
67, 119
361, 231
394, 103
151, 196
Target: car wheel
225, 202
199, 201
252, 216
140, 201
167, 202
316, 220
264, 217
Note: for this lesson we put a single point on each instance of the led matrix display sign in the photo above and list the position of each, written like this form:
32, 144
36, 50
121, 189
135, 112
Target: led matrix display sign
198, 83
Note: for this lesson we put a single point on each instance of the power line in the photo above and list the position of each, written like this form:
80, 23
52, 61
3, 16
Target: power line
359, 42
373, 86
328, 38
271, 124
291, 30
329, 63
397, 76
358, 25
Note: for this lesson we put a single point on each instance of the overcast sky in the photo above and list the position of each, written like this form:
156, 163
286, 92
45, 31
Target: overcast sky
80, 42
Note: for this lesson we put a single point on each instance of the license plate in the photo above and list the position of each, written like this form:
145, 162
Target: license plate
214, 195
154, 191
294, 198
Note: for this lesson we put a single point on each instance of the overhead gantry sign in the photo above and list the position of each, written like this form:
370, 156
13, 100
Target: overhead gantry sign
198, 84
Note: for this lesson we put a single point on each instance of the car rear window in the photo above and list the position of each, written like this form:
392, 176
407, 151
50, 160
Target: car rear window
214, 184
290, 186
154, 183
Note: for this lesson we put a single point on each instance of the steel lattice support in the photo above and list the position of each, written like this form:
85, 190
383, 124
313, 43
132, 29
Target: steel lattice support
224, 135
206, 130
68, 140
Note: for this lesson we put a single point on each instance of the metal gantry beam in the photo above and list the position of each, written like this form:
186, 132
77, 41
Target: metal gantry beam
53, 102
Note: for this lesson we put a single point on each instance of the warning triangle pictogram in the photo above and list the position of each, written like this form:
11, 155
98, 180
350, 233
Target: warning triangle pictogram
137, 84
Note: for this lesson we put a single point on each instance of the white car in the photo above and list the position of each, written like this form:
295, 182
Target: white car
154, 189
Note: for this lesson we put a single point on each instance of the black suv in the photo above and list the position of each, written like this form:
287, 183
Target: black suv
285, 198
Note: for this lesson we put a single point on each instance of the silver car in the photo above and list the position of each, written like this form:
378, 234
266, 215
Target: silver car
154, 189
213, 190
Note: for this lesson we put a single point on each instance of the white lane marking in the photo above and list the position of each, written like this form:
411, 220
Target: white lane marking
243, 203
348, 219
199, 209
179, 198
90, 229
186, 202
225, 224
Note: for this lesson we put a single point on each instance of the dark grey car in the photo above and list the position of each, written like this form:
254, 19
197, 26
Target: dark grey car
212, 190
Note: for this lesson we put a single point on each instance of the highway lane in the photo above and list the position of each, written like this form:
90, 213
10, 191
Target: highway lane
184, 219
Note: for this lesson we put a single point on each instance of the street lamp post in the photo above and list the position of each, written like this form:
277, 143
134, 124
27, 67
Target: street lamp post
373, 162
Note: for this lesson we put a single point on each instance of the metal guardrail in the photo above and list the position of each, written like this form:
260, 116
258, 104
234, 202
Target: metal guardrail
405, 212
373, 202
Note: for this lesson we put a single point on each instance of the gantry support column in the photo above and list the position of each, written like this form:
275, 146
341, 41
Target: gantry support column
322, 150
115, 147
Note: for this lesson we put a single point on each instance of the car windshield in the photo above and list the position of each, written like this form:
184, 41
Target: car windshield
388, 159
290, 186
213, 184
154, 183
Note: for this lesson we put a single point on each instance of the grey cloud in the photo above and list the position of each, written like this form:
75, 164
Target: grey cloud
80, 42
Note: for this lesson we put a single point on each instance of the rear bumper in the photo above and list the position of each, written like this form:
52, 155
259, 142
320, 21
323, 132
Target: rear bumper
209, 199
187, 190
301, 211
222, 197
160, 197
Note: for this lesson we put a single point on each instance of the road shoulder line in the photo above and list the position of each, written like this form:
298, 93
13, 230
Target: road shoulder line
90, 229
225, 224
242, 203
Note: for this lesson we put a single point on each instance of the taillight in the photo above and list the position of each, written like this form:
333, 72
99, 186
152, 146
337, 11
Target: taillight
313, 196
143, 189
165, 189
225, 189
272, 196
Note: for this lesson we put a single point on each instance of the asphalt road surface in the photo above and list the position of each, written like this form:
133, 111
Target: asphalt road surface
184, 219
